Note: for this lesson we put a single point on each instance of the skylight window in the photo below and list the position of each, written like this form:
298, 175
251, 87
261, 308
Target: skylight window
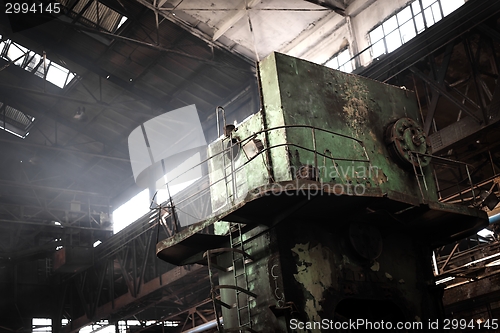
94, 14
44, 325
31, 61
101, 326
407, 23
14, 121
122, 21
57, 75
341, 61
17, 53
41, 325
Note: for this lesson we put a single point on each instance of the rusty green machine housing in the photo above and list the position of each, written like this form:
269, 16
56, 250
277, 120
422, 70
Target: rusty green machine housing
324, 206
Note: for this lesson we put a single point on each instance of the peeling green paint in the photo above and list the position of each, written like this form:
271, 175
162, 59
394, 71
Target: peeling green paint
314, 273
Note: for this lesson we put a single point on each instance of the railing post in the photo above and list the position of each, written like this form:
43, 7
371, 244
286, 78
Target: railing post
316, 170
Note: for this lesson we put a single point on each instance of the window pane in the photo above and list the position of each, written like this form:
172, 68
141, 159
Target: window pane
390, 25
16, 51
122, 21
333, 63
376, 35
419, 22
2, 46
407, 31
344, 57
436, 11
404, 15
41, 325
41, 71
28, 60
427, 3
416, 7
450, 5
393, 41
56, 76
70, 78
428, 17
347, 68
378, 49
35, 58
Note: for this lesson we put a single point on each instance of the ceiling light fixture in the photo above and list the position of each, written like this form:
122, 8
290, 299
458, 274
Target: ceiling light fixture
80, 114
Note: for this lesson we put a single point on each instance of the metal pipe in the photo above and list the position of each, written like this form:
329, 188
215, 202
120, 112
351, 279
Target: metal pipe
203, 327
495, 218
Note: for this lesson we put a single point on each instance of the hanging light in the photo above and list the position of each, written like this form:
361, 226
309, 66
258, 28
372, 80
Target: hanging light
80, 114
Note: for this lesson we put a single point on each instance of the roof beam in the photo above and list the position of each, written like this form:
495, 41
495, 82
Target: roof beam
336, 5
310, 37
166, 13
60, 149
48, 188
231, 19
441, 90
465, 127
357, 6
61, 97
152, 46
120, 303
39, 111
40, 224
465, 18
76, 57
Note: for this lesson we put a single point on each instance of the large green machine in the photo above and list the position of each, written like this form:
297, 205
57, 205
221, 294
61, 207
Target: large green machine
324, 207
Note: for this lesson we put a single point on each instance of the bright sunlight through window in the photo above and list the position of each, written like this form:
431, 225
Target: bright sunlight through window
341, 61
181, 177
130, 211
33, 62
407, 23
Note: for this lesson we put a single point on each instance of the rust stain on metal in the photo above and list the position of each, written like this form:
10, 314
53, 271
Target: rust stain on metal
379, 176
356, 108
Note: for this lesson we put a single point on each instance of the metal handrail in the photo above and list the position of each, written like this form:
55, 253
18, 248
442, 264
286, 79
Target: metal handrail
247, 139
447, 162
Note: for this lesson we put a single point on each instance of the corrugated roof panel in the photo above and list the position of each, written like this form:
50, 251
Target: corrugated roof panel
17, 116
107, 19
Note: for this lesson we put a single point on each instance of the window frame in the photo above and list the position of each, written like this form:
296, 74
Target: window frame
422, 11
336, 56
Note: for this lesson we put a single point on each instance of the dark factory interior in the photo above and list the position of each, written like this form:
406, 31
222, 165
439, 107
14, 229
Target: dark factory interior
192, 166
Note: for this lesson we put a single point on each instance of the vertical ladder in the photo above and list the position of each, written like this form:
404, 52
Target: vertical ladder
239, 261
